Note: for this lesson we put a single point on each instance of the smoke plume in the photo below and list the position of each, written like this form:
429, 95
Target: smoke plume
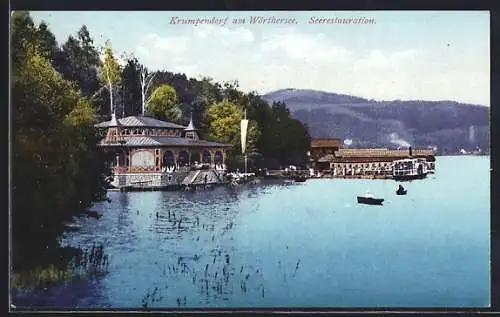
395, 139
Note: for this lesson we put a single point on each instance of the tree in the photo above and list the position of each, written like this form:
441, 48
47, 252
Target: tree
56, 168
79, 61
146, 80
110, 71
47, 42
131, 87
289, 136
88, 64
224, 126
231, 91
23, 31
163, 104
208, 91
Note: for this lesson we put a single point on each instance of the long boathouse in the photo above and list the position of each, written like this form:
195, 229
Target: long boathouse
330, 159
155, 154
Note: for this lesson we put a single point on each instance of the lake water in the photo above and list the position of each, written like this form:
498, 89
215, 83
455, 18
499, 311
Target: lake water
296, 245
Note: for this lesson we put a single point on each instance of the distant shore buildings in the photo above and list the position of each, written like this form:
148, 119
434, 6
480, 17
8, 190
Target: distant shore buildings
327, 156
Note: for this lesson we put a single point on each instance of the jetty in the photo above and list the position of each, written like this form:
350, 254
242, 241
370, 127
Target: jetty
175, 180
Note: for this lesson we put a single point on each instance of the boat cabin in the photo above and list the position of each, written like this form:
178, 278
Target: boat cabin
409, 168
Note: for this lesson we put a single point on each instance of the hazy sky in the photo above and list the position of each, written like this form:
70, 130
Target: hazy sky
430, 55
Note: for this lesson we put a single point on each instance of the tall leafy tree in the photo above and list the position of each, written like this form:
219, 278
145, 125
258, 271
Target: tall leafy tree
56, 168
290, 137
146, 80
110, 72
79, 62
230, 91
131, 87
47, 43
82, 62
88, 64
163, 104
224, 126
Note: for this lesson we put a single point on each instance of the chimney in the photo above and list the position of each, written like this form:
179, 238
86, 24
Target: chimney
411, 152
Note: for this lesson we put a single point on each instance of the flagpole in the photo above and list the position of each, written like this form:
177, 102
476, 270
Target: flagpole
245, 148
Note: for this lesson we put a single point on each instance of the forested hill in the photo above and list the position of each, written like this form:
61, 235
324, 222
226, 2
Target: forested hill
448, 125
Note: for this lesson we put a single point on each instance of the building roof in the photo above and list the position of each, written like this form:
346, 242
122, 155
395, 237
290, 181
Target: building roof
113, 121
326, 158
139, 121
190, 126
145, 141
333, 142
382, 152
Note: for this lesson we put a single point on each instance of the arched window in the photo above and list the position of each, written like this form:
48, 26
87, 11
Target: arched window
207, 157
168, 159
183, 158
143, 159
218, 158
195, 157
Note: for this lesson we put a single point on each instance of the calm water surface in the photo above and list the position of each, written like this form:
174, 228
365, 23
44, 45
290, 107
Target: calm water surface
307, 244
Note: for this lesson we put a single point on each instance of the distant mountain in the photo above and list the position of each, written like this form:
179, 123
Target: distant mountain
448, 125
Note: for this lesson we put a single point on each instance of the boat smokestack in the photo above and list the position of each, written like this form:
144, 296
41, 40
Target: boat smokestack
410, 150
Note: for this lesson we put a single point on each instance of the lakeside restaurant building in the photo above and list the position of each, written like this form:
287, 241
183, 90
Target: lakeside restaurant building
148, 149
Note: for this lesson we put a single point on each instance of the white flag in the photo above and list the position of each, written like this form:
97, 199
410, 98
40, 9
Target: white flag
244, 126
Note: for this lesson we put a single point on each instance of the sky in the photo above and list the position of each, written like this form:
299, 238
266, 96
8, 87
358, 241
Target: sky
425, 55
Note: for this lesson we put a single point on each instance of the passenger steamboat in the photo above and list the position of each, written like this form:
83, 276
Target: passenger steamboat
409, 169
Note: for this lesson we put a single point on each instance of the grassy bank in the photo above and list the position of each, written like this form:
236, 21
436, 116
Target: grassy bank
88, 262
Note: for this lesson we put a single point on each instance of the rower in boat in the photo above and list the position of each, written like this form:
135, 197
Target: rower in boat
401, 190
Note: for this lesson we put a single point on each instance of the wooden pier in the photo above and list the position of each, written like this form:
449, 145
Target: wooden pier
161, 181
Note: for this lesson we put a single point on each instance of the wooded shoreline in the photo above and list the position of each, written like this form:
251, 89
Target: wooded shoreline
61, 90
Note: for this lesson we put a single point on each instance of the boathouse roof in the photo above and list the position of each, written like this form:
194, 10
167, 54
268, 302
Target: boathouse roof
144, 141
324, 142
139, 121
369, 155
326, 158
382, 152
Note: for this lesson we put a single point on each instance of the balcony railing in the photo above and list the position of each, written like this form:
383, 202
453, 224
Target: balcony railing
185, 168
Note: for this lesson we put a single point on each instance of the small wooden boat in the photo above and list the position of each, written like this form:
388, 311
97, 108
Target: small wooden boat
370, 200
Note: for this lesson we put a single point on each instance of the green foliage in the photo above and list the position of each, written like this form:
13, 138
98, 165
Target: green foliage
72, 263
110, 67
80, 62
131, 87
38, 277
224, 126
56, 167
163, 104
110, 72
